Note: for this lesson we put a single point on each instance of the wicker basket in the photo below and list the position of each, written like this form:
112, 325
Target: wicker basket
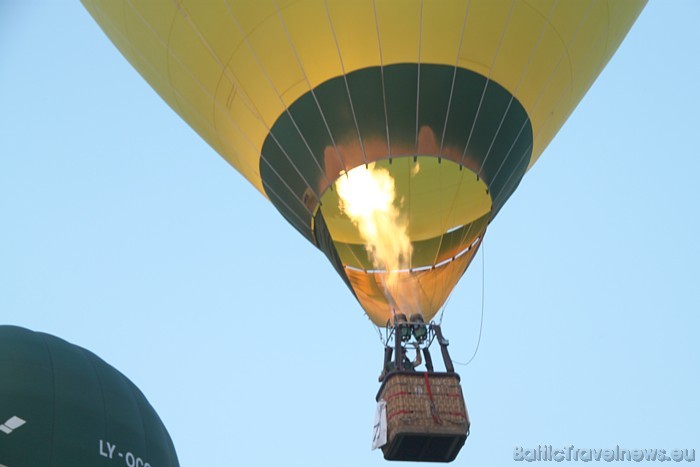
426, 415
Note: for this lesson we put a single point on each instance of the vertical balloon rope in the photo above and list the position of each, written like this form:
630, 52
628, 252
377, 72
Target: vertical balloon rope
483, 295
486, 83
515, 90
311, 88
277, 93
454, 78
379, 332
345, 80
381, 65
420, 38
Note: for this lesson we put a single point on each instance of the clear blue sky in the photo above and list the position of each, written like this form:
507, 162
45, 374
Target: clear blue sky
121, 231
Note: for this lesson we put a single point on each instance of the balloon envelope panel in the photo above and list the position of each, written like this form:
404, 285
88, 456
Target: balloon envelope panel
61, 405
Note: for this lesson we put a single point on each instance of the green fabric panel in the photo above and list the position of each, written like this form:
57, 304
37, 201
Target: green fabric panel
122, 416
289, 144
355, 255
26, 390
78, 414
400, 87
74, 404
158, 442
435, 91
484, 127
366, 91
325, 244
298, 218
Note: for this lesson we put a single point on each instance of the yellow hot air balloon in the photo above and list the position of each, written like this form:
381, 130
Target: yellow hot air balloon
389, 133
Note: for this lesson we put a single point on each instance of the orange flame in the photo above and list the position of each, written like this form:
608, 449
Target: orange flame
367, 195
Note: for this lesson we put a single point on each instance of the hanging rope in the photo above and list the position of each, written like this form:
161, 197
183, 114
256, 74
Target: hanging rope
379, 333
483, 294
444, 307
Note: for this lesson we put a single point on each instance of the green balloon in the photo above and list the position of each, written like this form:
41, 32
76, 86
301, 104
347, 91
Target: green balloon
63, 406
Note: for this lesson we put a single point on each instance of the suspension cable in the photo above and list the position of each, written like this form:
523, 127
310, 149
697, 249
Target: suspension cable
379, 333
483, 294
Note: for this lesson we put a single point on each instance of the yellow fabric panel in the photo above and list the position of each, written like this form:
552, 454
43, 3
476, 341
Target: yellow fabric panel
543, 7
260, 97
276, 58
155, 15
442, 31
420, 291
310, 32
529, 51
352, 255
110, 16
237, 118
552, 111
199, 122
399, 31
194, 104
192, 69
627, 13
356, 33
229, 116
448, 198
111, 11
568, 16
295, 90
151, 58
522, 41
113, 21
587, 51
248, 14
216, 24
238, 156
255, 87
483, 32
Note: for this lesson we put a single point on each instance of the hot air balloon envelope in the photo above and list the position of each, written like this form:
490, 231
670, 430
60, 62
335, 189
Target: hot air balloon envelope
61, 405
438, 108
